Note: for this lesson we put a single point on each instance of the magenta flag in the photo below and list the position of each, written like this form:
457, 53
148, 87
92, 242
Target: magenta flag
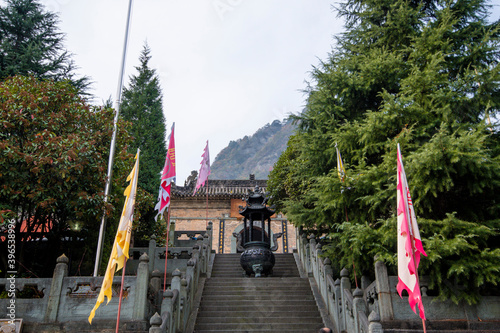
167, 177
204, 170
409, 243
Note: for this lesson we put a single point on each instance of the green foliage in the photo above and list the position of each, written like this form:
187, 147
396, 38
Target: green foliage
53, 157
145, 225
142, 106
424, 75
461, 262
30, 44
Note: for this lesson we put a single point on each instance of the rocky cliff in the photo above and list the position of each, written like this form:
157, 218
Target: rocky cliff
255, 154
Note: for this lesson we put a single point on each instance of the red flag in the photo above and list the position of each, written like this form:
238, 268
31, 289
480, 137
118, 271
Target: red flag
168, 175
409, 243
204, 170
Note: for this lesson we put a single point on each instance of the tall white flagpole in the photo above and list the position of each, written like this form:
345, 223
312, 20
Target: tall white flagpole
113, 142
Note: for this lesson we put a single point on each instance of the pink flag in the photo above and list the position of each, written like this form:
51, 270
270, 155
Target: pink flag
409, 243
168, 175
204, 170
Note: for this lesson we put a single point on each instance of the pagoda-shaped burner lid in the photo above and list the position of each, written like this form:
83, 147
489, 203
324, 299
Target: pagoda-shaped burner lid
256, 200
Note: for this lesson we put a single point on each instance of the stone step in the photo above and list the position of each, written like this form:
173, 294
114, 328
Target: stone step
257, 318
236, 257
264, 281
249, 306
237, 264
222, 267
232, 302
239, 275
277, 259
256, 290
253, 331
231, 269
260, 313
266, 327
249, 297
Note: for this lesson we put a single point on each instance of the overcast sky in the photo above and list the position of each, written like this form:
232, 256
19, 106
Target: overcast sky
226, 67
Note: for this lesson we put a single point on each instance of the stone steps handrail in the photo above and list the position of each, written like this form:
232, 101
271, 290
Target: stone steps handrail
376, 304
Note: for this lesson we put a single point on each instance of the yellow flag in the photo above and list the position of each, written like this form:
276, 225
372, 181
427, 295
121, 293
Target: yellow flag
119, 253
340, 165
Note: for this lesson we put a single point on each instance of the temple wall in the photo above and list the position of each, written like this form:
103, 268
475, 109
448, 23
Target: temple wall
191, 214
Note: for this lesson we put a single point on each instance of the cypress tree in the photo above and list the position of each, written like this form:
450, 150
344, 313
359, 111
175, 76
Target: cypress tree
424, 74
31, 44
142, 106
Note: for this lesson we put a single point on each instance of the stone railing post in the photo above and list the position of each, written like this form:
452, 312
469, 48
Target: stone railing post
171, 234
176, 280
196, 257
319, 264
338, 305
345, 283
303, 250
155, 323
151, 253
190, 276
60, 272
201, 257
206, 250
185, 304
359, 306
384, 292
327, 272
167, 306
155, 284
307, 262
141, 288
312, 253
374, 325
210, 232
176, 285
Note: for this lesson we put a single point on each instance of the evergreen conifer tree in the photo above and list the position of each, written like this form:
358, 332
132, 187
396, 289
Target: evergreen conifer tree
142, 106
424, 74
30, 44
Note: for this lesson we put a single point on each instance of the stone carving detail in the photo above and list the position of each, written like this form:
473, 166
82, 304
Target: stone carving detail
257, 269
239, 239
275, 240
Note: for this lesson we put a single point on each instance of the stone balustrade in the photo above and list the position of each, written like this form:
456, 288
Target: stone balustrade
377, 304
63, 303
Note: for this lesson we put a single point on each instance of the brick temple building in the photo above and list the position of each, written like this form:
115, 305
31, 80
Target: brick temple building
223, 198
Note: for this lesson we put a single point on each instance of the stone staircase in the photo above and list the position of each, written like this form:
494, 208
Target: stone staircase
232, 302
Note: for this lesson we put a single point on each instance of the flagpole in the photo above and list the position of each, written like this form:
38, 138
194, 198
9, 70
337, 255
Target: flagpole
206, 189
102, 228
121, 296
412, 241
416, 276
341, 173
166, 250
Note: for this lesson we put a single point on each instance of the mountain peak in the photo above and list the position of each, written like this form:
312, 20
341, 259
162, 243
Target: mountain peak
255, 154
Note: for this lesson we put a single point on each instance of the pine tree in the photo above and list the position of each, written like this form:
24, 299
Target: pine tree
30, 44
424, 74
142, 106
